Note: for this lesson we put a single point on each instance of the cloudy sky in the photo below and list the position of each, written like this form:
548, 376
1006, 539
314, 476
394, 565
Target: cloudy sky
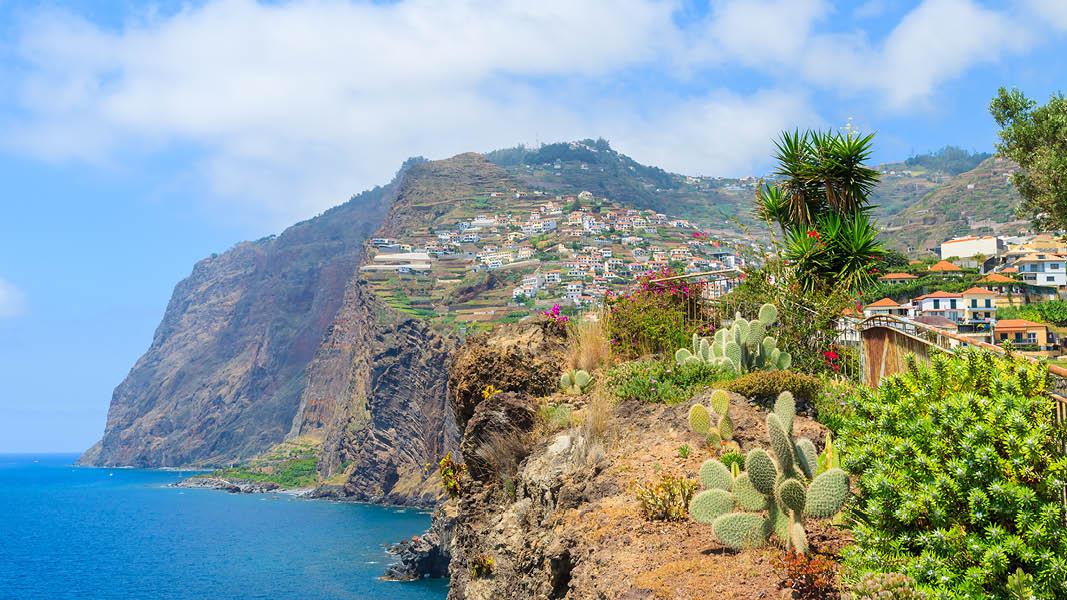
136, 137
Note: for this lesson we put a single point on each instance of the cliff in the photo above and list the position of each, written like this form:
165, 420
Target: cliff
281, 340
556, 515
224, 375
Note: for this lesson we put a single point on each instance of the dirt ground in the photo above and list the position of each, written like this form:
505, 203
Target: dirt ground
620, 554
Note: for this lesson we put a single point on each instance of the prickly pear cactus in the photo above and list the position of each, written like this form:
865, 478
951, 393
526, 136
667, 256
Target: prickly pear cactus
575, 381
715, 425
743, 346
774, 494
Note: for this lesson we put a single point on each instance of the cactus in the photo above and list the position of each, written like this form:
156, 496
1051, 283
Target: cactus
743, 346
575, 381
715, 425
782, 482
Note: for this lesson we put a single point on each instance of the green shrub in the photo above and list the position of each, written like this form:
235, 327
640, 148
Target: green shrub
556, 416
832, 403
482, 566
666, 499
1053, 312
962, 475
763, 387
452, 474
661, 380
294, 473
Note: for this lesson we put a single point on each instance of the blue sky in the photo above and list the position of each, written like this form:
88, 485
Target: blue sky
138, 137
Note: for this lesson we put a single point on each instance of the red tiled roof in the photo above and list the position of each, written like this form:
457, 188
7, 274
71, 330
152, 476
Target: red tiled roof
883, 303
943, 265
996, 278
1017, 324
939, 294
978, 290
898, 276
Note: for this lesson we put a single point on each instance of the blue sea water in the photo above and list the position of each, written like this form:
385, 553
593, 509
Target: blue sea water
68, 532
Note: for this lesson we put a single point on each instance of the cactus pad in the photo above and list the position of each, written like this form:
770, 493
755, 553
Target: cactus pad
827, 494
807, 457
791, 495
780, 444
761, 470
708, 505
715, 475
768, 313
747, 496
699, 419
741, 530
720, 402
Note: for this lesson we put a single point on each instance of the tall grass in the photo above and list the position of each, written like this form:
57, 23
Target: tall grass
588, 345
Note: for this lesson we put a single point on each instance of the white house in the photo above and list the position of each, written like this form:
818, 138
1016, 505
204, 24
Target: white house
970, 246
941, 304
1043, 269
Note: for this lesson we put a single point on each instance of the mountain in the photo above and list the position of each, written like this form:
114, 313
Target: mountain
920, 209
593, 166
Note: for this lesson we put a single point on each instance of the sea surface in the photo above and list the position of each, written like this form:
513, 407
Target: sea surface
68, 532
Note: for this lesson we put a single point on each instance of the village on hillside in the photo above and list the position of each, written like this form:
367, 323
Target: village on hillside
975, 278
543, 250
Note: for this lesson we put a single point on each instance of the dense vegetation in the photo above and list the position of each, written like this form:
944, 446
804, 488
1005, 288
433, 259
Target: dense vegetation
1035, 137
961, 477
1053, 312
950, 159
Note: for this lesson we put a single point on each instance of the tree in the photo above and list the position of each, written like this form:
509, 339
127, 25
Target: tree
1035, 137
821, 204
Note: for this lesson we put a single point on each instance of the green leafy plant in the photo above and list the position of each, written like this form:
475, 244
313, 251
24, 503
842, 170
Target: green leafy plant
733, 460
661, 381
657, 317
667, 498
1020, 585
575, 381
715, 425
744, 346
763, 387
830, 457
556, 416
774, 494
821, 204
683, 451
961, 469
887, 586
452, 474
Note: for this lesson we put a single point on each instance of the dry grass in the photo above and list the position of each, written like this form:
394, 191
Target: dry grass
502, 453
596, 425
588, 347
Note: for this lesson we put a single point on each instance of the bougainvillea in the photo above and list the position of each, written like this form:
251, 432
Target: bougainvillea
659, 314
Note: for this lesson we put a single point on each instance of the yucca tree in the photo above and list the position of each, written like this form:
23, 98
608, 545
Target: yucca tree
821, 203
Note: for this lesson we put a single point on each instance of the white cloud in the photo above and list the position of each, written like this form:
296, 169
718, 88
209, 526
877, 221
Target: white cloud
1053, 12
289, 107
12, 300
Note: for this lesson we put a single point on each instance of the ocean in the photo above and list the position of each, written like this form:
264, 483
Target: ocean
68, 532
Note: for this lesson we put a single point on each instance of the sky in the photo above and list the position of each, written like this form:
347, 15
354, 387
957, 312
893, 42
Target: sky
139, 137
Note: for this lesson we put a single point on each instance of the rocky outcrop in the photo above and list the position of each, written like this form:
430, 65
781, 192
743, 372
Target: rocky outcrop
225, 373
425, 555
228, 485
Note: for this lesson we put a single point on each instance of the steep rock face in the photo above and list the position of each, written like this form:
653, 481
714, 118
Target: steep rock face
376, 396
224, 375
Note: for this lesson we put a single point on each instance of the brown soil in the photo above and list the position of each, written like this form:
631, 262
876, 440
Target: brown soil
627, 556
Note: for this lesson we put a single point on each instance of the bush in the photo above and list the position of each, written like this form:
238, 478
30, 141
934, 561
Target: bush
452, 474
655, 318
961, 469
661, 380
808, 576
832, 403
763, 387
482, 566
666, 499
1053, 312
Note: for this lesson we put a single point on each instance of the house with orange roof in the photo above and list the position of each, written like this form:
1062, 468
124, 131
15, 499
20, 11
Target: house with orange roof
940, 303
971, 246
945, 267
897, 277
979, 306
1028, 336
1049, 270
887, 306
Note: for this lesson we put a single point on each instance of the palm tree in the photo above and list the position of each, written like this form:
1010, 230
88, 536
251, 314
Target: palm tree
821, 203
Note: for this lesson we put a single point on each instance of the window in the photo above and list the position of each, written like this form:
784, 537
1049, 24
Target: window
1031, 337
937, 304
988, 303
1054, 266
1049, 278
952, 304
